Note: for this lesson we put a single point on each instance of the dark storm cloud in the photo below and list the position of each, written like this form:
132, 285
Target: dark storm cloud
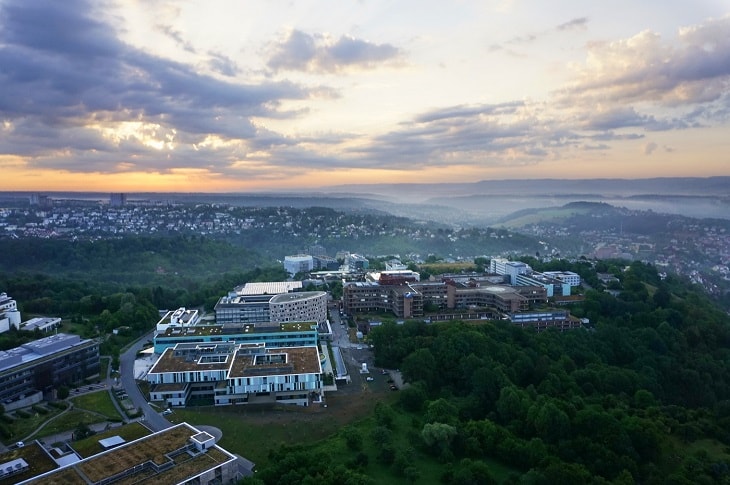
304, 52
63, 70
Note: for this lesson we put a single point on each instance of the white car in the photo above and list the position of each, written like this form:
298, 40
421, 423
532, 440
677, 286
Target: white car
369, 379
166, 412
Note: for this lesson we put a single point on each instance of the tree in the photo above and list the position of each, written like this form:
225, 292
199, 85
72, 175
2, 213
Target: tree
353, 438
63, 392
438, 436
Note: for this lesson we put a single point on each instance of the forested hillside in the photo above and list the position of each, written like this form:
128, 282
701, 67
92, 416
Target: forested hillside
642, 397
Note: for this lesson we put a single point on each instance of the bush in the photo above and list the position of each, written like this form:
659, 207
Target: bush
5, 431
22, 414
40, 409
58, 404
7, 418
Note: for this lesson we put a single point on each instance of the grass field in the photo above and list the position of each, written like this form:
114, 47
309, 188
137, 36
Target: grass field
100, 402
22, 427
253, 431
69, 421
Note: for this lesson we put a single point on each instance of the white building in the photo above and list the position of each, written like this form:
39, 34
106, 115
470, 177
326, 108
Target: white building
229, 373
41, 323
509, 268
300, 263
308, 306
181, 317
573, 279
9, 313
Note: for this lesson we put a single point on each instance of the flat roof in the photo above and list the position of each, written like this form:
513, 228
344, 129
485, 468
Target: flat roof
301, 360
236, 329
268, 288
289, 297
160, 448
238, 360
38, 349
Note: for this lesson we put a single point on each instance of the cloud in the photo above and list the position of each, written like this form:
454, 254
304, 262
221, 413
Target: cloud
649, 148
508, 46
300, 51
69, 84
223, 64
579, 23
695, 69
176, 36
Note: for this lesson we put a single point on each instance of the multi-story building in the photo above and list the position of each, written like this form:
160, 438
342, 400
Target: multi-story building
250, 303
305, 306
291, 334
552, 286
298, 263
181, 454
117, 200
542, 320
509, 268
573, 279
356, 262
325, 263
233, 373
41, 323
239, 309
42, 366
402, 299
9, 314
407, 299
179, 318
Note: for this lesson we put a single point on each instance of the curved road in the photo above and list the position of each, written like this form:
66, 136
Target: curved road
152, 418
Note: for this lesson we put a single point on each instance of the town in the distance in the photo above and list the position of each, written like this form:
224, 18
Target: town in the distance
307, 339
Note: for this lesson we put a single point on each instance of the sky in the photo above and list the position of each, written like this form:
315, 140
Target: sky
233, 96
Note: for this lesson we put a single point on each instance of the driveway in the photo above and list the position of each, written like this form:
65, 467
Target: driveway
152, 417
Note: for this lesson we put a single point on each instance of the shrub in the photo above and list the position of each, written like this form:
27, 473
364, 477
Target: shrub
40, 409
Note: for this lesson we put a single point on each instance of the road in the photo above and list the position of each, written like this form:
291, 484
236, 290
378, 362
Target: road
152, 418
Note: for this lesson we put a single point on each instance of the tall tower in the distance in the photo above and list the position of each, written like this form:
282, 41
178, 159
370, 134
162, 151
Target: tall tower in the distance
117, 200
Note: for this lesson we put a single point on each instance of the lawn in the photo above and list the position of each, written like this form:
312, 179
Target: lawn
69, 421
100, 402
252, 431
22, 427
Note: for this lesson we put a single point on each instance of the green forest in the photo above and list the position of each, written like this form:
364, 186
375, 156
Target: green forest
642, 396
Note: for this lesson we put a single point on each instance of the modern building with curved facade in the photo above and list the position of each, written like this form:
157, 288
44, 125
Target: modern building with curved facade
306, 306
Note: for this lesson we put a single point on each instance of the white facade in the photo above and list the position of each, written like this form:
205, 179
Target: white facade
300, 263
509, 268
229, 373
43, 324
9, 313
308, 306
178, 318
573, 279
